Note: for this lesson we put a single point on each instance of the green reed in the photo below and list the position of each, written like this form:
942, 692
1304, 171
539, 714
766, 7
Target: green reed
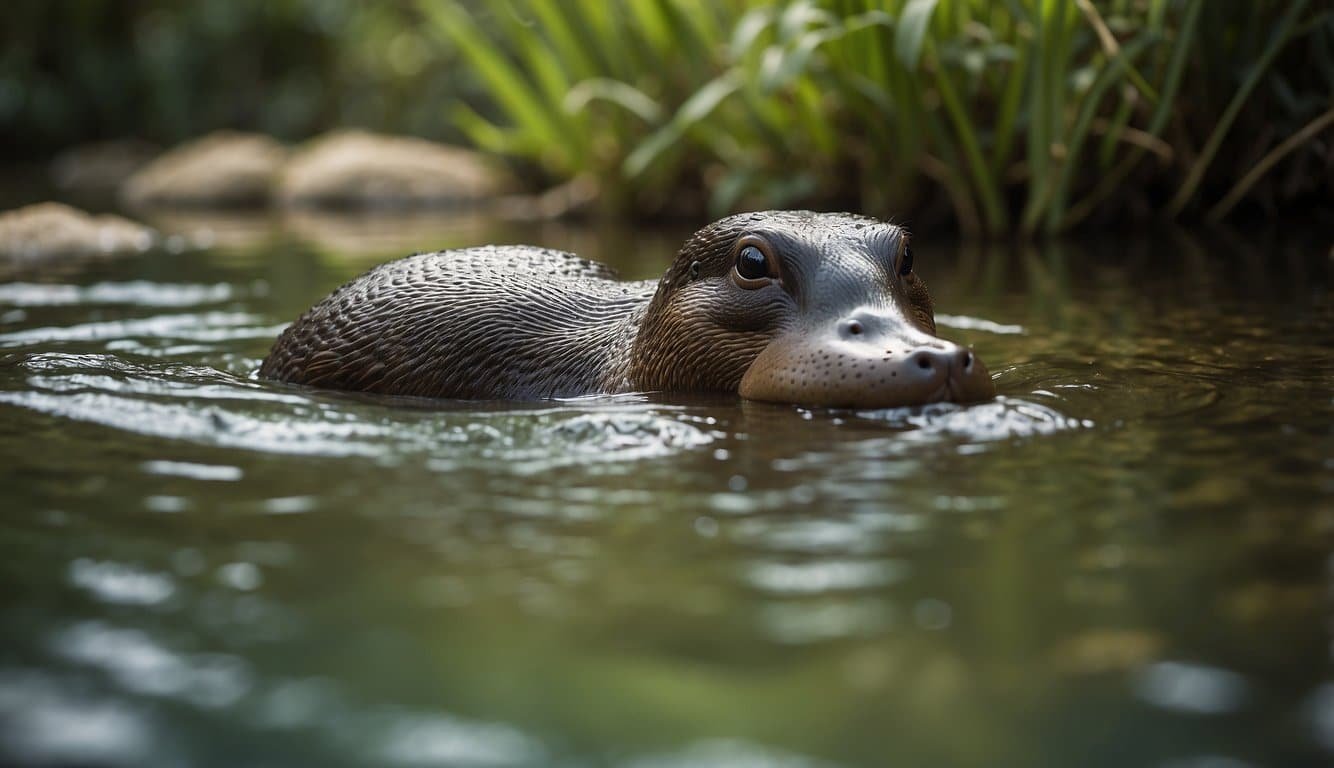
1025, 115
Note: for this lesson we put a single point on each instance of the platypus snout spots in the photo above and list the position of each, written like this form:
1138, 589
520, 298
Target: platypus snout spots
867, 362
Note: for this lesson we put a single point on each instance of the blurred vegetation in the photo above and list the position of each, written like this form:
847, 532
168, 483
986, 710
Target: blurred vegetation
169, 70
1002, 115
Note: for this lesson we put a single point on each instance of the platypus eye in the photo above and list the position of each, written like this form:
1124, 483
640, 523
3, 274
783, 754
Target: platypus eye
905, 264
751, 263
755, 265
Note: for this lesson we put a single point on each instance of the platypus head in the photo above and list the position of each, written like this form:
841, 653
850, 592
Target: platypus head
801, 307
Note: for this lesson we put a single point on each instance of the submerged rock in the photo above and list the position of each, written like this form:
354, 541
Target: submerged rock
223, 169
48, 232
357, 169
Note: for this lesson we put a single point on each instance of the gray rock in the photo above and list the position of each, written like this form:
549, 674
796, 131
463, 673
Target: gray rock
52, 232
357, 169
223, 169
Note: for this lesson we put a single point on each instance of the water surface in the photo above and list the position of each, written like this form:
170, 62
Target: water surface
1123, 560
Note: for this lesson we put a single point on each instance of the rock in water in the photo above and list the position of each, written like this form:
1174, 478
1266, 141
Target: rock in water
51, 232
221, 170
357, 169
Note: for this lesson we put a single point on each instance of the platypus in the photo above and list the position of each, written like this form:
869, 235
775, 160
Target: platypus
820, 309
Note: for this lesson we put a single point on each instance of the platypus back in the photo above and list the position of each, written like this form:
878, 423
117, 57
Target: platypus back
494, 322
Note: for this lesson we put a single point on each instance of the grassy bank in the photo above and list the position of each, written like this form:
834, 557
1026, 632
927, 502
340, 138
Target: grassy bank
1028, 115
1000, 116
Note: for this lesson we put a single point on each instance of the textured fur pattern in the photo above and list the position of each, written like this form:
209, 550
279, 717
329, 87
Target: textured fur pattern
509, 322
837, 317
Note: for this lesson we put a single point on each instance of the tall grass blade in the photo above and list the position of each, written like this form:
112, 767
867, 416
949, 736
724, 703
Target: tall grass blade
910, 37
1308, 132
965, 129
507, 85
1172, 78
1079, 132
1008, 112
1278, 38
695, 109
623, 95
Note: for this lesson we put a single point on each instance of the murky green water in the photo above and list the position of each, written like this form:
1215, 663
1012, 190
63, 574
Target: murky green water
1126, 560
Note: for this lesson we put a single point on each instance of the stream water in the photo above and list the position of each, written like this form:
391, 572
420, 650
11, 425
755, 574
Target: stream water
1127, 559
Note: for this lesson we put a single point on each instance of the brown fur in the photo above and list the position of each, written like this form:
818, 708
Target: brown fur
520, 322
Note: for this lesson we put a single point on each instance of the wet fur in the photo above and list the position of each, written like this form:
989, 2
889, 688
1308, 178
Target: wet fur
520, 322
507, 322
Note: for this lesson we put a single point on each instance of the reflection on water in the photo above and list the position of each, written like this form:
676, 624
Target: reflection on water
1125, 559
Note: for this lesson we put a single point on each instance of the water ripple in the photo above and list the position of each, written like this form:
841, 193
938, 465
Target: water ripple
427, 740
1195, 688
43, 723
140, 665
601, 435
726, 753
824, 576
192, 470
1001, 419
187, 402
208, 424
141, 293
800, 623
58, 372
966, 323
121, 584
860, 534
203, 326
